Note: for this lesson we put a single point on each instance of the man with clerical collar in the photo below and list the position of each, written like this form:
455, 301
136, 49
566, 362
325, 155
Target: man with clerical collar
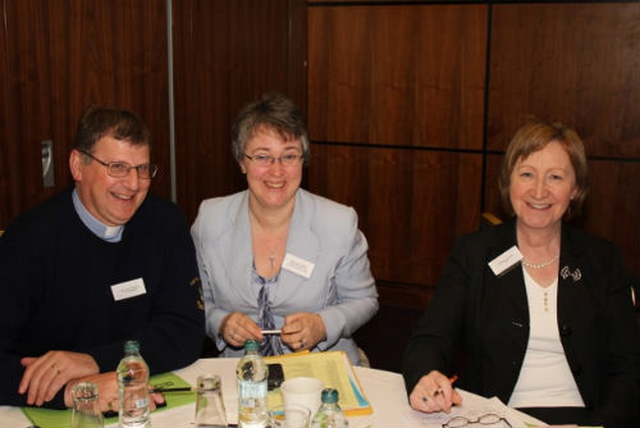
98, 264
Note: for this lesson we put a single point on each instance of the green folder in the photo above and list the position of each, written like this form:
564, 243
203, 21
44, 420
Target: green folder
49, 418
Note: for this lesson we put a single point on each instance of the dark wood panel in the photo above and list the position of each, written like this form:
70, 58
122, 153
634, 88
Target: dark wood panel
4, 131
411, 203
203, 117
611, 210
574, 63
612, 207
226, 54
411, 75
71, 54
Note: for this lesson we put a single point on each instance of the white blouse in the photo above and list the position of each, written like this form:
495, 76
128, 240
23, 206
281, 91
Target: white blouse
545, 377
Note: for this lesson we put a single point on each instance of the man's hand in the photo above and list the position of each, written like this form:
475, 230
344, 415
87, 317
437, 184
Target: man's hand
107, 392
44, 376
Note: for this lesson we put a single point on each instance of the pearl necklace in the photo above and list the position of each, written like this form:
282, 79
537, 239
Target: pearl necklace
540, 265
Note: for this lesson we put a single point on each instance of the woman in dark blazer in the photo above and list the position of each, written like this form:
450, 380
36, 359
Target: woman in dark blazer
542, 311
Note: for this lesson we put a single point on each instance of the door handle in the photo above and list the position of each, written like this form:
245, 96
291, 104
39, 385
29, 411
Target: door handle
47, 164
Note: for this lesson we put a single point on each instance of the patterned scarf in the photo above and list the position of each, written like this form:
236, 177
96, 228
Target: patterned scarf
271, 344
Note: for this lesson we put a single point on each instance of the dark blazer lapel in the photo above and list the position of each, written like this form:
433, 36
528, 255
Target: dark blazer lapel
569, 278
512, 281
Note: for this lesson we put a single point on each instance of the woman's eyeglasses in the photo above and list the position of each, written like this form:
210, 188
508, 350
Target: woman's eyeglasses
485, 420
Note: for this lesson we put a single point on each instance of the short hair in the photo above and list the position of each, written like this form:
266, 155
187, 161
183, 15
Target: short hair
272, 111
534, 136
97, 122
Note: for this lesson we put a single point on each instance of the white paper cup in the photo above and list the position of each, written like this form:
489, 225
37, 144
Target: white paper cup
303, 391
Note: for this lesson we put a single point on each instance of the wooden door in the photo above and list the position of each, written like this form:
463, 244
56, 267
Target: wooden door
60, 56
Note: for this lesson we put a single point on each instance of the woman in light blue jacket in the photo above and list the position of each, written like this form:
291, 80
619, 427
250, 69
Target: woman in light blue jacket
276, 257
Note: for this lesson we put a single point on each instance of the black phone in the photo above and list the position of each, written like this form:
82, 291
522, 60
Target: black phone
276, 376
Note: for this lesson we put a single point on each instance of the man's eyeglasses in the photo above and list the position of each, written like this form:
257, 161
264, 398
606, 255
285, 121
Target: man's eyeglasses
266, 160
488, 419
121, 169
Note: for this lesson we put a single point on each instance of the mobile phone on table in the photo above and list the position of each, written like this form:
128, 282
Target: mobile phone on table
276, 376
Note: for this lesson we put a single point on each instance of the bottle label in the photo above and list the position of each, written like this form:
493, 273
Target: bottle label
252, 389
141, 403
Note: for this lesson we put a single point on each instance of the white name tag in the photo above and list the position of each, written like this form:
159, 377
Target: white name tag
129, 289
505, 260
297, 265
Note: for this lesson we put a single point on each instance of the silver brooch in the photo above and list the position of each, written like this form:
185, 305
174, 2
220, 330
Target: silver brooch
576, 275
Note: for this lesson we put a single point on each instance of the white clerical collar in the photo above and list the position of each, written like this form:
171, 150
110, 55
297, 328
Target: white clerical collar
101, 230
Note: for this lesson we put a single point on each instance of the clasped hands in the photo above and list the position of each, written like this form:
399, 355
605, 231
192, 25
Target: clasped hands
434, 393
44, 376
302, 330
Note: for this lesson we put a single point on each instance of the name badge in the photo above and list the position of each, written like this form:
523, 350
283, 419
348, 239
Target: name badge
297, 265
505, 261
128, 289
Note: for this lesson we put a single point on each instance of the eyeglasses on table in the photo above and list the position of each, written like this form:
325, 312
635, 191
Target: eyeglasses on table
485, 420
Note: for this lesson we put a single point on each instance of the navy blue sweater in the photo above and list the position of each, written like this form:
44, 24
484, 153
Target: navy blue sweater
55, 282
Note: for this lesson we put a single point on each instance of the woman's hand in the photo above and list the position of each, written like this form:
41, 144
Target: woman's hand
237, 328
303, 330
434, 393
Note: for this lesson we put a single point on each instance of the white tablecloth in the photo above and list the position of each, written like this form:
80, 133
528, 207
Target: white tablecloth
385, 391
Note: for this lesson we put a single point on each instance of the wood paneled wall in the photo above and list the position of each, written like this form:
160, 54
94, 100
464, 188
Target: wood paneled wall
227, 53
59, 57
411, 106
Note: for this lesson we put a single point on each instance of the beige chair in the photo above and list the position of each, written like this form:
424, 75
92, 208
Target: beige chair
364, 360
489, 219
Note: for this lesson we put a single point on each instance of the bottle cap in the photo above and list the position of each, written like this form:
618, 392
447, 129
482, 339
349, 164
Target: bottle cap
330, 396
251, 345
131, 346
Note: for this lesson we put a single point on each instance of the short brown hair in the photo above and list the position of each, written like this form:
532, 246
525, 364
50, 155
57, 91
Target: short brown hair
121, 124
534, 136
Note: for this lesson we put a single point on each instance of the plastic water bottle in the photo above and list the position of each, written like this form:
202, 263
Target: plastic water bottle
252, 373
133, 394
329, 414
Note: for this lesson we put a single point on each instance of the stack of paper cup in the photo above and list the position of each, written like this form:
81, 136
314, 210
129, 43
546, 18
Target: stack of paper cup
303, 391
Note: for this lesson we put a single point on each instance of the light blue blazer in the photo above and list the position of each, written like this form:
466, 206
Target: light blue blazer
340, 289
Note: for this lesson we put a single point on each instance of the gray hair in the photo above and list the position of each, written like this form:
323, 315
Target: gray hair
272, 111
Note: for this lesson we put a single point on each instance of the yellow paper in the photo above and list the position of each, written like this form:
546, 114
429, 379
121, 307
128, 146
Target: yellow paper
333, 369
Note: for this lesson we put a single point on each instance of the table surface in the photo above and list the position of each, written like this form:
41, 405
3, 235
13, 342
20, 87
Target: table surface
385, 391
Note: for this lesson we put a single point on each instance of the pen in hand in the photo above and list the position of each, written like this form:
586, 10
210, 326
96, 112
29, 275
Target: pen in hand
439, 391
